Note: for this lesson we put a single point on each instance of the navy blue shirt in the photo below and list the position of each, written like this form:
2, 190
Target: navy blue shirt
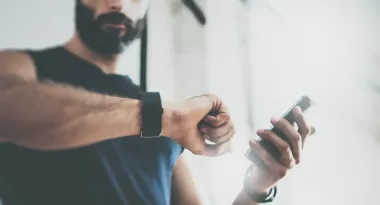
122, 171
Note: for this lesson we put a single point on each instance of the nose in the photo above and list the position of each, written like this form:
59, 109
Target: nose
116, 5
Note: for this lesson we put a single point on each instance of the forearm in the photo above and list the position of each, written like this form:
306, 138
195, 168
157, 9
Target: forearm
52, 116
243, 199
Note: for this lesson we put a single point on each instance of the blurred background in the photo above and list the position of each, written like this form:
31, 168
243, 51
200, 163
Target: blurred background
259, 56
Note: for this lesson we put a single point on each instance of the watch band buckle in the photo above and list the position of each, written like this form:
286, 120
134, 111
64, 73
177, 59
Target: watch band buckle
149, 137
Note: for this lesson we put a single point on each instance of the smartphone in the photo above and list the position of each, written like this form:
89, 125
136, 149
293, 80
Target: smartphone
304, 103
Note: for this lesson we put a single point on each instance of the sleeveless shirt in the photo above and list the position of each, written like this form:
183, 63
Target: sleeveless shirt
123, 171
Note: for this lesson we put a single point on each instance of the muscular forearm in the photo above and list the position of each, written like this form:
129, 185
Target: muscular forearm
243, 199
52, 116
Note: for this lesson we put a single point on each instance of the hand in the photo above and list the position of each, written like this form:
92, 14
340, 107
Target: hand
266, 175
196, 119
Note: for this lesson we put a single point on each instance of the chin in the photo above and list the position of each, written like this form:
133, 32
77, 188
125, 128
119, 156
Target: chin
109, 50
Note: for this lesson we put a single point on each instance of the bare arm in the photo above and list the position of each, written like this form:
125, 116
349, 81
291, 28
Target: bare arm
243, 199
184, 191
54, 116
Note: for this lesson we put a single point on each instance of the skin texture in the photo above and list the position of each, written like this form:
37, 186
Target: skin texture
71, 115
264, 176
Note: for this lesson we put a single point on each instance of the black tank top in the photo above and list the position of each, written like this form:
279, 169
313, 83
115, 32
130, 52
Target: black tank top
122, 171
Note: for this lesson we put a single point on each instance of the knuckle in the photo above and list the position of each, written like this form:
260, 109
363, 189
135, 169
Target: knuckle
297, 114
266, 134
233, 132
211, 96
214, 96
231, 125
284, 148
281, 123
228, 119
282, 173
296, 138
307, 130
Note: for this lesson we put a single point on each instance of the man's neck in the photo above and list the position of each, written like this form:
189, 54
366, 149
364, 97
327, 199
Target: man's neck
78, 48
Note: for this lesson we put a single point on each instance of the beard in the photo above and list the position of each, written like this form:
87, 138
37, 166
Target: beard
112, 40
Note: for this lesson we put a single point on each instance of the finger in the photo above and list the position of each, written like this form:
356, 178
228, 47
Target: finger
303, 127
286, 157
271, 164
214, 104
216, 132
218, 105
292, 136
220, 138
214, 150
218, 120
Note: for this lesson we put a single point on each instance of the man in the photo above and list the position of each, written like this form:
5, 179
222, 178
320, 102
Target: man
70, 126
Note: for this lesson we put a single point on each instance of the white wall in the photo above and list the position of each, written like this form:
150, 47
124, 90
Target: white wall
186, 59
322, 48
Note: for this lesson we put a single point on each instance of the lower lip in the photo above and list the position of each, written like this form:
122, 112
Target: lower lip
119, 26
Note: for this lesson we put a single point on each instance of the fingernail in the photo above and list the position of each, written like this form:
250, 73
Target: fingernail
274, 120
259, 132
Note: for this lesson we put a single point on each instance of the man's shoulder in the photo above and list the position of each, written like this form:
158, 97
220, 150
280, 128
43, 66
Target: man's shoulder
22, 57
9, 55
16, 63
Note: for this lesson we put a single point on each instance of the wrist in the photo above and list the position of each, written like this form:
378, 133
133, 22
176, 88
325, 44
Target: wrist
244, 199
260, 197
169, 120
257, 193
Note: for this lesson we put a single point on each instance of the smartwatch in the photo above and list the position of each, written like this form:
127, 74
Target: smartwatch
259, 198
151, 114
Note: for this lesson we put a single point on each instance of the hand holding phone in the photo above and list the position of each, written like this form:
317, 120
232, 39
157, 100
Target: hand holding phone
304, 103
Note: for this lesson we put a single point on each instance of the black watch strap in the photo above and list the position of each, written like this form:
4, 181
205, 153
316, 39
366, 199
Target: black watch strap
151, 114
248, 188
